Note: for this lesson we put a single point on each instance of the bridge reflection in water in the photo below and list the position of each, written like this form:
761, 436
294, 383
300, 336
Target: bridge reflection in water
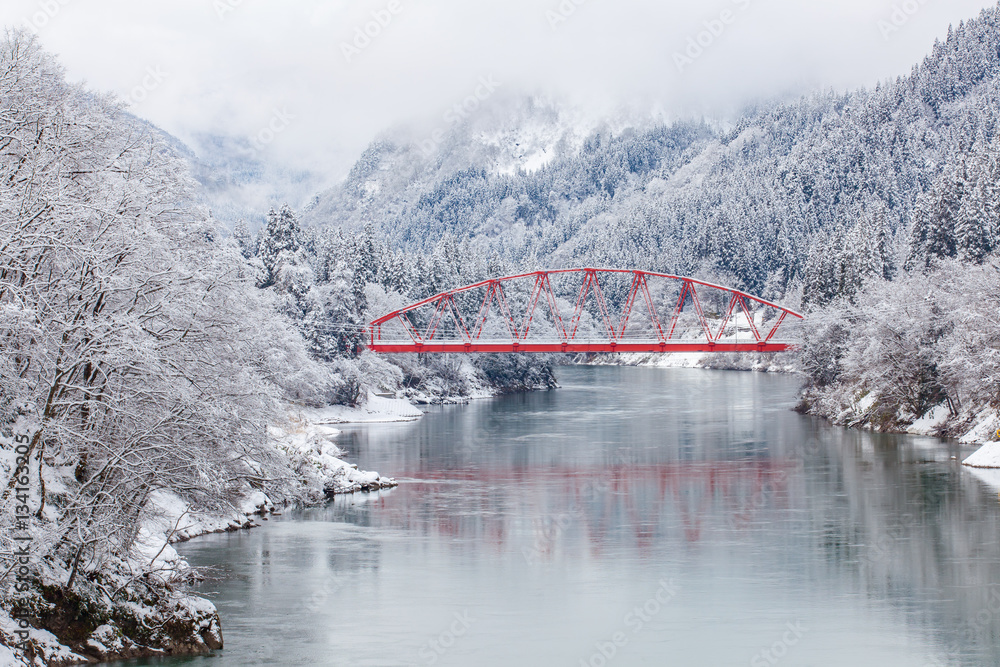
547, 517
587, 479
599, 504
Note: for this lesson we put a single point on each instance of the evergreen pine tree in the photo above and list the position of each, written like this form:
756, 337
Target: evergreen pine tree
874, 252
281, 237
975, 227
244, 240
933, 233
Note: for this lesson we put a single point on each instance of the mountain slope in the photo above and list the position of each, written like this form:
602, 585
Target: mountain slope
745, 205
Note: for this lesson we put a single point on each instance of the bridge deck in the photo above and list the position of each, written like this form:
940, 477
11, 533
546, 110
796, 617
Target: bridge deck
594, 347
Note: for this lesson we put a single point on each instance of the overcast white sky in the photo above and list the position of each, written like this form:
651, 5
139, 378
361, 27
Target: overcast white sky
226, 66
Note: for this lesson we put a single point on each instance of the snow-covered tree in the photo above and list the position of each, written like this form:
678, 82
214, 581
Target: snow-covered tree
135, 351
279, 243
244, 239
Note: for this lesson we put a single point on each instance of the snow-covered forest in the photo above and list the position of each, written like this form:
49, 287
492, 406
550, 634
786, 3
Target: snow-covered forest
145, 349
330, 283
846, 204
887, 346
150, 360
138, 361
744, 204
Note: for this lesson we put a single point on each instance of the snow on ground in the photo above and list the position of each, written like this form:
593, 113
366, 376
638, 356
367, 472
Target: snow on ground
674, 360
309, 445
984, 431
170, 519
7, 657
930, 422
377, 409
986, 424
865, 403
47, 644
988, 456
474, 393
308, 442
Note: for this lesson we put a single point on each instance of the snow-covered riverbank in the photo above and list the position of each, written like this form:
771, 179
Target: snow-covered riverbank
858, 409
376, 409
111, 623
761, 363
972, 427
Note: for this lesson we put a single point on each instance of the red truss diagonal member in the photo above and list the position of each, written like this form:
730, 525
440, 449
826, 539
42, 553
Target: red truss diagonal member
602, 304
495, 293
689, 290
543, 286
409, 328
733, 300
746, 311
550, 296
607, 336
436, 317
652, 310
701, 314
677, 310
446, 304
459, 320
777, 324
591, 284
637, 280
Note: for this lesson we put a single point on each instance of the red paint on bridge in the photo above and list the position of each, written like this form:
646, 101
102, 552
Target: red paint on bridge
438, 325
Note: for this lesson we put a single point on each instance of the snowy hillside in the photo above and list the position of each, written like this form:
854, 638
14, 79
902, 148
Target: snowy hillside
872, 210
529, 181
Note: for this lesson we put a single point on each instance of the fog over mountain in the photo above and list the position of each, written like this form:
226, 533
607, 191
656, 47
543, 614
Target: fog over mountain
221, 74
745, 203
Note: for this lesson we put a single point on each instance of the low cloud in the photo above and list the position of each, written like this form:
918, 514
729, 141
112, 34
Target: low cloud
346, 71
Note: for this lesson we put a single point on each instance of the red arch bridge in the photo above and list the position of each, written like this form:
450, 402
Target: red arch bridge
584, 311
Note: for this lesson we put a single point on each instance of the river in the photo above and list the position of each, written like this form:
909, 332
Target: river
632, 517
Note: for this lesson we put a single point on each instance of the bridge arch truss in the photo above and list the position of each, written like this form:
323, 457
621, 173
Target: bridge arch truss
584, 311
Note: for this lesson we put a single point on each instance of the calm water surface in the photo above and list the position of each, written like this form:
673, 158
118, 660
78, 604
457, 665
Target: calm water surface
632, 517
